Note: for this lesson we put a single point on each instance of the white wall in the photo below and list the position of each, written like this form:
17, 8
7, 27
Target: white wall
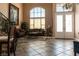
77, 21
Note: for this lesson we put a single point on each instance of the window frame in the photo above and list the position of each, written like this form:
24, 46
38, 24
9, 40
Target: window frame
42, 11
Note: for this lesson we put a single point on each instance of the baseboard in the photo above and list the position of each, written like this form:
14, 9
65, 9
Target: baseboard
65, 38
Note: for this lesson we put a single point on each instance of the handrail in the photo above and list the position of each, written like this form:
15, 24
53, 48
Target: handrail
3, 15
4, 22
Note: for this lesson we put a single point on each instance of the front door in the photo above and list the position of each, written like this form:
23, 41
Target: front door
64, 25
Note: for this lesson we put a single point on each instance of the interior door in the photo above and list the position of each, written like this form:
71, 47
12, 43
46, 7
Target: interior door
64, 25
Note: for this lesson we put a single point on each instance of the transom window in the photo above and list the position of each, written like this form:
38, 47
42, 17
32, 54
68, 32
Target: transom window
37, 18
61, 7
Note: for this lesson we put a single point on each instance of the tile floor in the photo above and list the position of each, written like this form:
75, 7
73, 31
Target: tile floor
39, 47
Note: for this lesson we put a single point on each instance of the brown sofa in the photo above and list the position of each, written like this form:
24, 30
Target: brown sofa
36, 32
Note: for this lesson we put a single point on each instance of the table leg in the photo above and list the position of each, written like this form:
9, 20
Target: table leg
0, 49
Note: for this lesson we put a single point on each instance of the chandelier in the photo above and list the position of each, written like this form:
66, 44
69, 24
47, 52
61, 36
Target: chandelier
68, 5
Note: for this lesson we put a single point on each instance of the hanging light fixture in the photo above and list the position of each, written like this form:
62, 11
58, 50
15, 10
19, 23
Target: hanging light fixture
67, 5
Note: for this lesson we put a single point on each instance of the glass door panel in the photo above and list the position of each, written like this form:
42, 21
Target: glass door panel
68, 20
59, 23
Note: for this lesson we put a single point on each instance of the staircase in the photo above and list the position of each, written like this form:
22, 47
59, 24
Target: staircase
5, 28
4, 23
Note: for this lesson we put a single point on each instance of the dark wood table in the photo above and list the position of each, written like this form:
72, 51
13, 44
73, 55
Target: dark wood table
4, 40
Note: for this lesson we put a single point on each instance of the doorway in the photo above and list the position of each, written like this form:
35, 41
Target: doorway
64, 25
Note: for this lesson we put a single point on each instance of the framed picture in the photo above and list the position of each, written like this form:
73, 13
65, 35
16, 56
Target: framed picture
13, 14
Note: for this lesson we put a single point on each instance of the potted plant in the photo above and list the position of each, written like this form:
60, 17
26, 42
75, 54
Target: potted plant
24, 26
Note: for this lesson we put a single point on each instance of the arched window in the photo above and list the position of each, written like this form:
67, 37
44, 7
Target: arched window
37, 18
